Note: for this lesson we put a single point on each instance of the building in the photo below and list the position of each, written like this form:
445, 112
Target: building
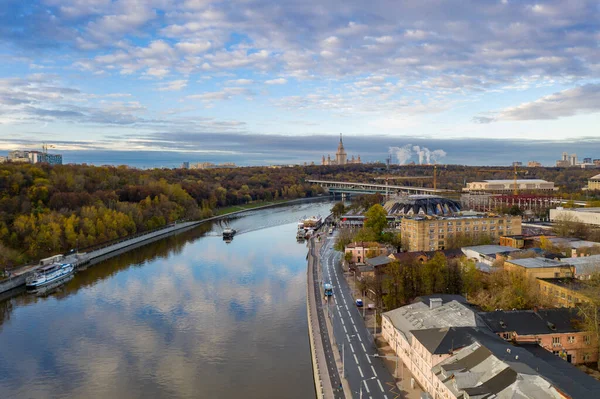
578, 247
566, 292
363, 249
517, 163
585, 266
487, 254
515, 241
540, 268
567, 160
3, 159
583, 215
508, 185
35, 157
185, 165
421, 205
341, 157
594, 183
556, 330
534, 164
452, 353
430, 233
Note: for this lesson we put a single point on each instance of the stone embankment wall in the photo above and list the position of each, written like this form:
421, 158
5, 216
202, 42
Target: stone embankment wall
320, 373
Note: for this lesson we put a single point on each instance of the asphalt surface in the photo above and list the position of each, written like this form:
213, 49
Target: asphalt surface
363, 370
334, 375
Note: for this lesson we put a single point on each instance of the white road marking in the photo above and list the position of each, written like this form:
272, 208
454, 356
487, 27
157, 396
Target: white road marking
352, 347
346, 331
380, 386
367, 387
363, 345
356, 359
360, 339
374, 372
355, 328
369, 359
361, 373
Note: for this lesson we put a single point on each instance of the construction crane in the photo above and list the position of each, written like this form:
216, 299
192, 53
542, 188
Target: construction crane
46, 146
515, 174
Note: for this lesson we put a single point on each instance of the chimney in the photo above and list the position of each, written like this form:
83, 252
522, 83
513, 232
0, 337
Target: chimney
435, 303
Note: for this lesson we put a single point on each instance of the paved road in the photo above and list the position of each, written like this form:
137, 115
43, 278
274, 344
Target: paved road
363, 371
334, 375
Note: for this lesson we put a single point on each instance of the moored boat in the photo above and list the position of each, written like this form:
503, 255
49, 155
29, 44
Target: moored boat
49, 274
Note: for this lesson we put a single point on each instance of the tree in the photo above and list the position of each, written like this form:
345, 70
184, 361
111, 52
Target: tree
338, 210
376, 219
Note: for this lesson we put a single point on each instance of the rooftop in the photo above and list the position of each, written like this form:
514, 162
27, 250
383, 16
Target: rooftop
597, 177
531, 263
530, 322
459, 216
420, 315
585, 264
590, 210
441, 341
364, 244
490, 250
511, 181
377, 261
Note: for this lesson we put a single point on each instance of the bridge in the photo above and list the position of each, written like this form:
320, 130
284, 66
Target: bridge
344, 187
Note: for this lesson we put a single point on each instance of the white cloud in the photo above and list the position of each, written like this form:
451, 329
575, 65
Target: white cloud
174, 85
278, 81
193, 47
570, 102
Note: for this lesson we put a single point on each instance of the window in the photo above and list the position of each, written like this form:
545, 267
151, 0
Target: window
571, 339
587, 339
555, 341
587, 357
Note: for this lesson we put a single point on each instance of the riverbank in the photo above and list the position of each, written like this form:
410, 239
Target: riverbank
19, 276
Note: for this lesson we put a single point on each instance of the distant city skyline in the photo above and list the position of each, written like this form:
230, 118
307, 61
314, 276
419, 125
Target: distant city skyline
251, 150
177, 75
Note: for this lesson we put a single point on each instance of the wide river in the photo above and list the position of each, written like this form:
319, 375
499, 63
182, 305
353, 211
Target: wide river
188, 316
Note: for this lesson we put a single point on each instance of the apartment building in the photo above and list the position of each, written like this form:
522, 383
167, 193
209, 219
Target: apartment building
508, 186
430, 233
594, 183
567, 292
556, 330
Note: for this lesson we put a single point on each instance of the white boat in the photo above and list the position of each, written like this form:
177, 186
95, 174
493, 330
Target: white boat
229, 232
49, 274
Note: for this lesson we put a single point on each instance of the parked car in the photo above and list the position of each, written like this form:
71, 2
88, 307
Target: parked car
359, 303
371, 306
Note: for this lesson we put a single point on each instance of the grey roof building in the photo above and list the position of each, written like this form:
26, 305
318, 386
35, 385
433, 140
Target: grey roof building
531, 322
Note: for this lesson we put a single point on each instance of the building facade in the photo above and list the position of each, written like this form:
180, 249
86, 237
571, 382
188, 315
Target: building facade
35, 157
363, 249
567, 292
431, 233
594, 183
584, 215
341, 157
540, 268
507, 185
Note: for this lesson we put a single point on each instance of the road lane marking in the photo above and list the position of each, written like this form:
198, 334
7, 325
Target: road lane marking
355, 328
363, 346
380, 386
367, 387
342, 321
361, 373
346, 331
374, 372
360, 339
351, 347
356, 360
368, 359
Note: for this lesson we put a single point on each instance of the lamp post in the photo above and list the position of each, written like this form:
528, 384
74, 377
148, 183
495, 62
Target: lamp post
396, 358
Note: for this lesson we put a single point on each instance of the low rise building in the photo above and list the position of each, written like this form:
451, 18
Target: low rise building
430, 233
567, 292
508, 186
540, 268
362, 250
589, 216
534, 164
556, 330
488, 254
585, 266
594, 183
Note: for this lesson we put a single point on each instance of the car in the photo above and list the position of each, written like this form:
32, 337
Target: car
371, 306
359, 303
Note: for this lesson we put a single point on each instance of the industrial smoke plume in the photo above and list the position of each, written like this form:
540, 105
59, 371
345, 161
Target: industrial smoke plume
425, 155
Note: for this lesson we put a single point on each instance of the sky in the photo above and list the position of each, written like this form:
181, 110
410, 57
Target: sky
156, 82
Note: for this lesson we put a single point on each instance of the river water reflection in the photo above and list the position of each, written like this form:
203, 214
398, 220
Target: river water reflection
188, 316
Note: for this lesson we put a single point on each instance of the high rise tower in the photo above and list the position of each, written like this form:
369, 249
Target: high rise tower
341, 158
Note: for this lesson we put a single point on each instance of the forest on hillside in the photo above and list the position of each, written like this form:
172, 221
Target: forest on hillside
50, 209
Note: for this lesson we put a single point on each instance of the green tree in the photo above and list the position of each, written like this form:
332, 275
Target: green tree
376, 220
338, 210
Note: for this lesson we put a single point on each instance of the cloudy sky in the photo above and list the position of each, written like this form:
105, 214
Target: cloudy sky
257, 81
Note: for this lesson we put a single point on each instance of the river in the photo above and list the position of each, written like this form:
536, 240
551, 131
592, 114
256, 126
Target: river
188, 316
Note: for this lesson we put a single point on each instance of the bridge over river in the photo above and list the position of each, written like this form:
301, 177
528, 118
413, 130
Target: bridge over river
344, 187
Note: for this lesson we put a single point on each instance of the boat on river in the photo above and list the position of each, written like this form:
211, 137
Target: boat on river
49, 274
228, 234
307, 226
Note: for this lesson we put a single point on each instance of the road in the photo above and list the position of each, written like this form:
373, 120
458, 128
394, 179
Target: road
363, 370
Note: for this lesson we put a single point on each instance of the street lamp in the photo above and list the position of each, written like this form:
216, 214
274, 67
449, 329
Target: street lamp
365, 381
396, 358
